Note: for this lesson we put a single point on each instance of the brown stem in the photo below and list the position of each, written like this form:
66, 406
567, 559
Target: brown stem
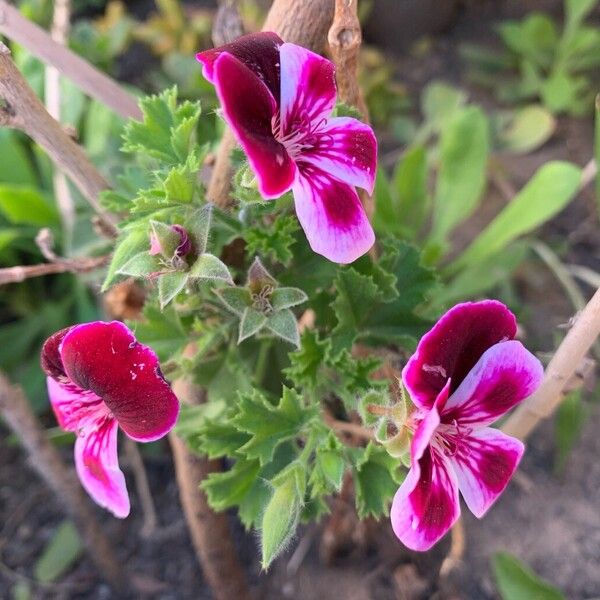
559, 372
47, 462
304, 23
142, 486
457, 549
346, 427
24, 111
210, 531
92, 81
82, 265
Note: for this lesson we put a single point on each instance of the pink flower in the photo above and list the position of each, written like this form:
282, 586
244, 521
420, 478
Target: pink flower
277, 98
466, 373
183, 248
100, 378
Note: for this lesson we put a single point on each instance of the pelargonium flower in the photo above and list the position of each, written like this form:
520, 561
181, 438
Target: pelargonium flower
465, 374
99, 379
278, 97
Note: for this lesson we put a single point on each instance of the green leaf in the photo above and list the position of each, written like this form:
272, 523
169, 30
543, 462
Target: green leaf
60, 553
26, 206
131, 244
570, 418
576, 11
550, 189
229, 488
169, 285
464, 149
198, 227
534, 38
439, 103
236, 299
281, 515
410, 180
15, 166
21, 591
282, 323
328, 470
517, 582
168, 239
597, 151
270, 425
208, 266
560, 91
306, 362
286, 297
385, 219
273, 240
529, 128
251, 322
376, 480
180, 184
140, 265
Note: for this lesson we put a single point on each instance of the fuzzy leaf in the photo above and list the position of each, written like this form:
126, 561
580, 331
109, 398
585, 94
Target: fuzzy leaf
270, 425
281, 515
140, 265
161, 330
208, 266
169, 285
274, 240
328, 470
286, 297
167, 237
198, 226
283, 324
306, 362
236, 299
251, 322
61, 552
229, 488
133, 243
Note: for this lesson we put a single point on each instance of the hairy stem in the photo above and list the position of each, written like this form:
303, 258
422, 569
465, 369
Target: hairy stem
45, 459
560, 370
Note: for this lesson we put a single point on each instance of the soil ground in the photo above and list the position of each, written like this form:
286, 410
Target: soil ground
551, 522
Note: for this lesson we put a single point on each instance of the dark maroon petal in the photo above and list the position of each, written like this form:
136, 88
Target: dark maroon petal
249, 108
453, 347
106, 359
258, 51
50, 360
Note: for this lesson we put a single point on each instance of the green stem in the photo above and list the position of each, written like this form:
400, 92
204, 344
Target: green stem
262, 360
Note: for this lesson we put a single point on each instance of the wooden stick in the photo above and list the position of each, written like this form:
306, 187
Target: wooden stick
21, 273
304, 23
46, 460
92, 81
23, 110
210, 531
561, 368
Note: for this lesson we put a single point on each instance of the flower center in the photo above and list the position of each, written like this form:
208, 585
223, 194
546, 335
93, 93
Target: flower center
300, 135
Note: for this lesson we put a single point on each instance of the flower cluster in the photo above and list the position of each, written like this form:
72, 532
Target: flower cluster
277, 98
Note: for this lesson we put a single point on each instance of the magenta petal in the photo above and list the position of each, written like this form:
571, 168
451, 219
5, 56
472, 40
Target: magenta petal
74, 408
347, 150
258, 51
50, 357
484, 463
97, 466
106, 359
249, 107
426, 505
307, 88
332, 216
427, 426
453, 347
506, 374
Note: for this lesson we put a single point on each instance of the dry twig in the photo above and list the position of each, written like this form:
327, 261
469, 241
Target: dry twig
23, 110
559, 372
45, 459
92, 81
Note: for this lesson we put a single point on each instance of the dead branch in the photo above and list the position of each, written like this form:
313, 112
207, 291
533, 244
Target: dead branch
75, 265
210, 531
23, 110
559, 372
227, 25
45, 459
92, 81
304, 23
